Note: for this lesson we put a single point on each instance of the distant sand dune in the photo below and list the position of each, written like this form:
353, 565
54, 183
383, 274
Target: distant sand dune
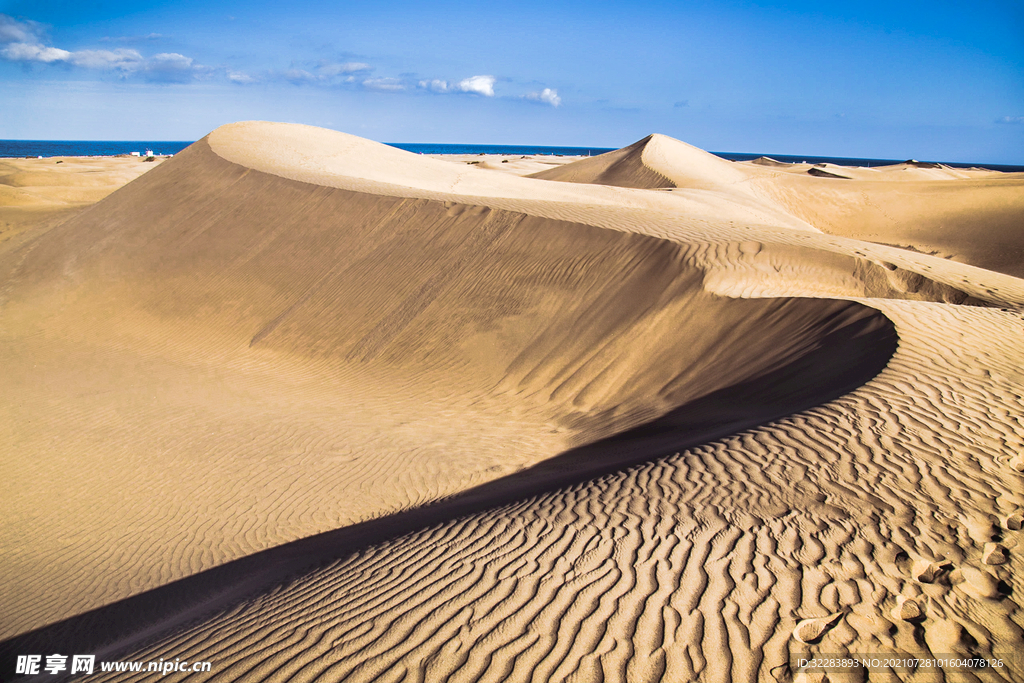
36, 194
768, 161
970, 216
657, 161
623, 168
822, 173
307, 406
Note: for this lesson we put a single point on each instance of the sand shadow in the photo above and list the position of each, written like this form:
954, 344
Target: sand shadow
843, 360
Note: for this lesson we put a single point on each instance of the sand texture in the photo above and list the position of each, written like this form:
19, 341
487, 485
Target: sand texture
312, 408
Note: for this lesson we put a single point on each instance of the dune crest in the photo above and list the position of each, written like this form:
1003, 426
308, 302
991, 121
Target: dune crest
657, 161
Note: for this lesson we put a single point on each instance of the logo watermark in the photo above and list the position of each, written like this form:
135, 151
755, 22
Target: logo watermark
32, 665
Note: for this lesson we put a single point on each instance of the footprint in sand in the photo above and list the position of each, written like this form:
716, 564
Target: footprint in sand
899, 559
1014, 521
907, 609
1017, 463
811, 630
994, 553
930, 571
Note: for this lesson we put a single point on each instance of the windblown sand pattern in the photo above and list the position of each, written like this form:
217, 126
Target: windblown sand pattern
311, 408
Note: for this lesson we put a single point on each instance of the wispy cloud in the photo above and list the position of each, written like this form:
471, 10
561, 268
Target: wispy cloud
330, 69
14, 31
171, 67
120, 60
332, 73
384, 84
240, 77
435, 85
133, 39
357, 75
299, 76
1010, 119
24, 41
479, 85
547, 96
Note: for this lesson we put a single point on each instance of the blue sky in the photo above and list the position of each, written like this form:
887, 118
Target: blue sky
929, 80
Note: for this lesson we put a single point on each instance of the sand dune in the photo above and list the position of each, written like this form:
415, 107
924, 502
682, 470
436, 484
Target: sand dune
307, 406
694, 566
657, 161
822, 173
907, 205
36, 194
966, 215
768, 161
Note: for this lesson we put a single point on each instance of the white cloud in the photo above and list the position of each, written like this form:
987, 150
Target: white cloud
330, 73
24, 44
329, 69
14, 31
435, 85
28, 52
121, 60
170, 67
240, 77
547, 95
1011, 119
481, 85
171, 60
24, 41
384, 84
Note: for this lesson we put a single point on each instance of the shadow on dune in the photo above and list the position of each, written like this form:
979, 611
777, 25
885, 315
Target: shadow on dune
850, 355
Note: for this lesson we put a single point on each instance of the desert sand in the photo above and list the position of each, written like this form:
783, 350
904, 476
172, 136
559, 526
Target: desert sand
36, 194
309, 407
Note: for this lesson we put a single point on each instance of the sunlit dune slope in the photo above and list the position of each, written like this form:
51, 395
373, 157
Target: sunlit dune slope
971, 217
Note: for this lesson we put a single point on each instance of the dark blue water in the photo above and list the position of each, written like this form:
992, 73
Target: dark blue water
85, 148
54, 148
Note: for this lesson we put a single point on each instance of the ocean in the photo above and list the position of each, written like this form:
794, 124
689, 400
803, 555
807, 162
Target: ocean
56, 148
85, 148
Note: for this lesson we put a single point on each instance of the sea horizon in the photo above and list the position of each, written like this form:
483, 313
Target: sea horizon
19, 149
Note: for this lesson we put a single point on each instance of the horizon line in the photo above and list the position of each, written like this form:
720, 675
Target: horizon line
749, 156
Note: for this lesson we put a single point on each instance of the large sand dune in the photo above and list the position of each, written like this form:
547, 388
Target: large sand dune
304, 405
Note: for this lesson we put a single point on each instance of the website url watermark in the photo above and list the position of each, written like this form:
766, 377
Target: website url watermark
55, 664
